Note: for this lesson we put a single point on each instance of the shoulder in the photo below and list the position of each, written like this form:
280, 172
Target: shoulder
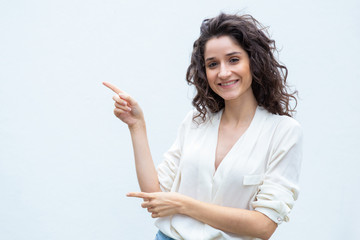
188, 121
283, 125
282, 121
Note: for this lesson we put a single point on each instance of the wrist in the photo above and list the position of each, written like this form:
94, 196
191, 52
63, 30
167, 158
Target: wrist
186, 203
137, 126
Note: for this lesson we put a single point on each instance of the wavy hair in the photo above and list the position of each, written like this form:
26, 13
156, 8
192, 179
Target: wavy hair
268, 75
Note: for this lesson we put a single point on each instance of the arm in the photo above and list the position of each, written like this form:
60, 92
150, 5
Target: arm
234, 220
276, 196
280, 187
129, 111
145, 169
272, 204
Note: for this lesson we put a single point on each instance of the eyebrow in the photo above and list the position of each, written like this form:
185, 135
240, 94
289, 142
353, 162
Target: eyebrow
229, 54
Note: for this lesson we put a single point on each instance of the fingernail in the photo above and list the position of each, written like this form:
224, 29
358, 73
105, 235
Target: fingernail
129, 109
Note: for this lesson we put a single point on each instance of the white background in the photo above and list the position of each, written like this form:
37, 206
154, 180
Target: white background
66, 162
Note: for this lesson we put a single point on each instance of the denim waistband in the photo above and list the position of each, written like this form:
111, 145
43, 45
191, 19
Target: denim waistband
161, 236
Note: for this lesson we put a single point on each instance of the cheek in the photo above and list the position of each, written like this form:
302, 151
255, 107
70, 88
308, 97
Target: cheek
211, 83
249, 79
207, 74
246, 72
210, 76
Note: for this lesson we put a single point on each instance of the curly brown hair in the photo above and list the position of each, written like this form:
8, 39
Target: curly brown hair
268, 75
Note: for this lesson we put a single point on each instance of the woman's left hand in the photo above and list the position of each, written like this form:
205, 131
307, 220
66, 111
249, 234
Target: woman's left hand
161, 204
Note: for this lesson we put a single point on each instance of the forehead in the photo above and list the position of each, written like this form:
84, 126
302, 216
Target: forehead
221, 46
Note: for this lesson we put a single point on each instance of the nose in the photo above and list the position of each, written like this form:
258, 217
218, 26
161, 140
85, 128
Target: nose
224, 72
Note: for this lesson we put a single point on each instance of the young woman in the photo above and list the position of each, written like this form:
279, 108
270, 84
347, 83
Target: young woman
233, 170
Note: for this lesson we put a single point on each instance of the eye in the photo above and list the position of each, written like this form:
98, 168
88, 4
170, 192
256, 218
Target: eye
212, 65
234, 60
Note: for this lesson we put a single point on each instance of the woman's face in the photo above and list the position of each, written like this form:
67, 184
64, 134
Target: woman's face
227, 67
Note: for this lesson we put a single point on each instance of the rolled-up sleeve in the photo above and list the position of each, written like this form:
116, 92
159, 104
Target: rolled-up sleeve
168, 168
279, 190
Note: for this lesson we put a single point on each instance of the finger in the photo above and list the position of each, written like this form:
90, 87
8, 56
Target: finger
155, 215
122, 107
120, 101
113, 87
124, 100
118, 105
118, 111
147, 204
117, 99
139, 195
127, 98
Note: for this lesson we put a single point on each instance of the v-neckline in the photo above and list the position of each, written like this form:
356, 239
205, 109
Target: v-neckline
215, 170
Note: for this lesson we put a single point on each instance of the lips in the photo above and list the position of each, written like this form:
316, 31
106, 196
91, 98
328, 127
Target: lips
224, 84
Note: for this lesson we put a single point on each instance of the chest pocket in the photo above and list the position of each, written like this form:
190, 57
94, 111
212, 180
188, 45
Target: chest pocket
250, 180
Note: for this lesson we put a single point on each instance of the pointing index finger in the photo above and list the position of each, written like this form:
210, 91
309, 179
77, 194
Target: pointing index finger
139, 195
113, 87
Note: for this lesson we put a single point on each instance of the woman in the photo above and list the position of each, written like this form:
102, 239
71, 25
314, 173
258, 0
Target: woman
233, 170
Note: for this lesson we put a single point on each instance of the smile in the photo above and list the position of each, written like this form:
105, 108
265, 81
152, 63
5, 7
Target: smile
228, 83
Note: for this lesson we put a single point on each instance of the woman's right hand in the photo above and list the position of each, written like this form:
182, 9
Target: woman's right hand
126, 108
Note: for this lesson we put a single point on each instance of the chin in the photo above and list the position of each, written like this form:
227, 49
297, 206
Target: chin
229, 98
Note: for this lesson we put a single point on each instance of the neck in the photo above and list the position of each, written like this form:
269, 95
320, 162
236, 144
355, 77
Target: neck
239, 111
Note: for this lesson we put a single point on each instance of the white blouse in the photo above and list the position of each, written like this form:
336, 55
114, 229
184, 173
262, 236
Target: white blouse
260, 172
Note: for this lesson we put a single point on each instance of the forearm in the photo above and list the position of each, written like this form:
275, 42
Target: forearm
129, 111
234, 220
145, 168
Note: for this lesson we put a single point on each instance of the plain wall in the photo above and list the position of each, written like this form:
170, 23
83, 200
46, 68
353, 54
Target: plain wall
66, 162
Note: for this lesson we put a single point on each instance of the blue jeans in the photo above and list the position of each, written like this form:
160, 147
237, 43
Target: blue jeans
161, 236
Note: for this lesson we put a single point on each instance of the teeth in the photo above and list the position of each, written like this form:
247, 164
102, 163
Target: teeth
228, 83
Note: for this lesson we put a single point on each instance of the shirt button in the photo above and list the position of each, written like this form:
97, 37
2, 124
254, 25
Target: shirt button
279, 219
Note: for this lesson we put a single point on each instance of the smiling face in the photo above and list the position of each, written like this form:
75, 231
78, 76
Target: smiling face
227, 67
